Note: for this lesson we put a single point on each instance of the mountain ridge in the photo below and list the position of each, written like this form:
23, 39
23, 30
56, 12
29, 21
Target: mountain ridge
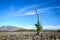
9, 28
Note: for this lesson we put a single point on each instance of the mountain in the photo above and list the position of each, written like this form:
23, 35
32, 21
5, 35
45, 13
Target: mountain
9, 28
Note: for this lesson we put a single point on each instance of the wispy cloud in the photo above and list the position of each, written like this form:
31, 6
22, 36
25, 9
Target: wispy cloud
42, 10
29, 11
20, 12
24, 9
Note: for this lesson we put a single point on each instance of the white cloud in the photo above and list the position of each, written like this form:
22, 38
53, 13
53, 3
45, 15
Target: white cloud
46, 10
58, 6
0, 25
30, 13
29, 27
51, 27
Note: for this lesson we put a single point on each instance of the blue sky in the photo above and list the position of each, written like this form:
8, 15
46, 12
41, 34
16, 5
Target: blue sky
21, 13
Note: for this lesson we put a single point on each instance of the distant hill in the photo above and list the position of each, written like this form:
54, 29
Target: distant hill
9, 28
17, 29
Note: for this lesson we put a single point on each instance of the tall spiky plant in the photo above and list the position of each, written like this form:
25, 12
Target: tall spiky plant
38, 25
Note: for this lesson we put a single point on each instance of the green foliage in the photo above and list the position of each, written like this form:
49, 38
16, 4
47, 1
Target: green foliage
38, 25
58, 30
